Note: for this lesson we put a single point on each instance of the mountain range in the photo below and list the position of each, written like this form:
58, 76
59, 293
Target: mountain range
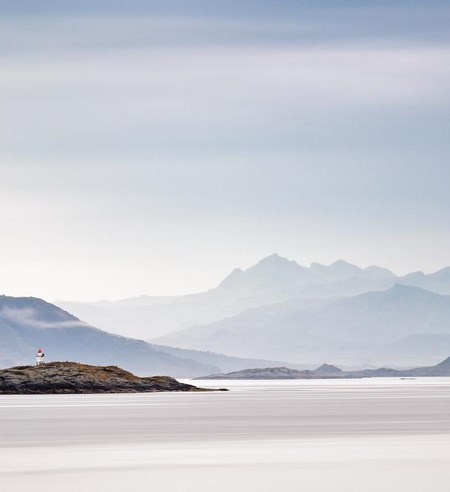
357, 330
275, 310
272, 280
27, 323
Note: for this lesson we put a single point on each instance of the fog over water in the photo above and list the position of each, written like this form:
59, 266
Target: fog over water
378, 434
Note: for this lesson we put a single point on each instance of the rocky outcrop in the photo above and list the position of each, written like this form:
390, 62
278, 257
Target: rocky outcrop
71, 377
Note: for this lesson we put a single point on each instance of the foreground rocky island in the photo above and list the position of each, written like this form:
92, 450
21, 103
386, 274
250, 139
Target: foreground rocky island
326, 371
71, 377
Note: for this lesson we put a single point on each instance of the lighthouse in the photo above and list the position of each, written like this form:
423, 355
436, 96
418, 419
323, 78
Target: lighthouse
39, 357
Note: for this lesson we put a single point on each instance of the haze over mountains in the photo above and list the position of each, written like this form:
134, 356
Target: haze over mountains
27, 323
273, 279
371, 328
281, 310
276, 311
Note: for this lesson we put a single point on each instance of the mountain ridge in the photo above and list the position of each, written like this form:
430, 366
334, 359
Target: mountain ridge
28, 322
271, 280
359, 324
326, 371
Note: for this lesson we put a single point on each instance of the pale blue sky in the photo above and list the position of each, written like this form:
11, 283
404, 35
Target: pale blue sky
151, 147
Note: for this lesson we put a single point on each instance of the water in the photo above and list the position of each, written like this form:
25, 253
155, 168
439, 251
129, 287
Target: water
355, 435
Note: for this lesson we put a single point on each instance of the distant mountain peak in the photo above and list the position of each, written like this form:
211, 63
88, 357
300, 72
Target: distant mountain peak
327, 369
275, 259
342, 263
412, 275
344, 267
269, 274
336, 271
273, 256
377, 272
274, 263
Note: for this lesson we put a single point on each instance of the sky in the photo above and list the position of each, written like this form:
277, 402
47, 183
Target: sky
150, 147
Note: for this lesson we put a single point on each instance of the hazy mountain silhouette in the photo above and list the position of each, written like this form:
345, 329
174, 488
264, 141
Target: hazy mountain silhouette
437, 282
351, 330
27, 323
259, 313
273, 279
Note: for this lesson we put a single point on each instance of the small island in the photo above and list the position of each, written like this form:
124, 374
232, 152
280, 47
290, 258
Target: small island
72, 377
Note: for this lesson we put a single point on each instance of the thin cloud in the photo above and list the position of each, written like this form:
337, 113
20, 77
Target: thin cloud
29, 317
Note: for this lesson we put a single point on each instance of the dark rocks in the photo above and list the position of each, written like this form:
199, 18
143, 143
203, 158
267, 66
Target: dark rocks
71, 377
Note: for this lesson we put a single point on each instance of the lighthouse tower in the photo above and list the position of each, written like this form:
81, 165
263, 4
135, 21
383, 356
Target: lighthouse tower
39, 357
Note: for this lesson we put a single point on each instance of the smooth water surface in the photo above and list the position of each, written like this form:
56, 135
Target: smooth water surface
328, 435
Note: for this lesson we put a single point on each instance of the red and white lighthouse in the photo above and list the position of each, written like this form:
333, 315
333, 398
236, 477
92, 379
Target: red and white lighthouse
39, 357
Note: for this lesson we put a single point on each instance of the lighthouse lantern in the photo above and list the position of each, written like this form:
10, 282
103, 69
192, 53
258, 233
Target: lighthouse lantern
39, 357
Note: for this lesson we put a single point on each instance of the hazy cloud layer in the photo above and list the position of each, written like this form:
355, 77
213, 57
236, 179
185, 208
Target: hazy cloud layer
29, 317
153, 146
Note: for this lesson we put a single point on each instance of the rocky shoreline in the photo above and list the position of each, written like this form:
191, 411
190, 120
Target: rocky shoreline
72, 377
